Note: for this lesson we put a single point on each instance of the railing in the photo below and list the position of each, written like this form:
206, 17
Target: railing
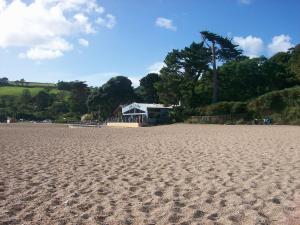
126, 120
85, 123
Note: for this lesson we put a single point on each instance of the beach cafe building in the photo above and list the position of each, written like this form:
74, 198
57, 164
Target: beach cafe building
142, 113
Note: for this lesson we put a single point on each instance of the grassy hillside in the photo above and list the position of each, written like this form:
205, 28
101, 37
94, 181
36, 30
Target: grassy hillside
17, 90
32, 84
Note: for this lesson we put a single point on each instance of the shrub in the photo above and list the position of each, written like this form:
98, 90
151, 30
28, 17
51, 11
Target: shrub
180, 114
68, 118
276, 102
283, 106
223, 108
87, 117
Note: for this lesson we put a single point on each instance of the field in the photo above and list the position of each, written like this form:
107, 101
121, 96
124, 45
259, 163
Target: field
177, 174
33, 84
17, 91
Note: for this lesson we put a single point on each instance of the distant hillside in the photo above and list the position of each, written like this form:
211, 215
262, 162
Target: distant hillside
31, 84
18, 90
40, 101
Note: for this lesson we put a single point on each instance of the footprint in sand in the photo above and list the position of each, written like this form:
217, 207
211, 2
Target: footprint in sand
198, 214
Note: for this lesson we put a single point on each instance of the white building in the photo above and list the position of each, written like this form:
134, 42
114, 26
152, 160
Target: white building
144, 113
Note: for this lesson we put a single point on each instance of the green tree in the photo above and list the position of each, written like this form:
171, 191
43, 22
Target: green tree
181, 74
78, 97
42, 100
58, 108
106, 99
147, 92
22, 82
3, 81
26, 97
295, 61
25, 108
279, 73
244, 77
66, 86
222, 49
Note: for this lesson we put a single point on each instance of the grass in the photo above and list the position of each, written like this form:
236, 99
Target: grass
34, 84
17, 91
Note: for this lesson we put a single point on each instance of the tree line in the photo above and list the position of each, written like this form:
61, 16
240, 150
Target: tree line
213, 70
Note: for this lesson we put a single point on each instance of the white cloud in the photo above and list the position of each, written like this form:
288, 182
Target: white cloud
57, 44
43, 27
2, 5
245, 2
84, 24
156, 67
165, 23
40, 54
109, 21
50, 50
280, 43
252, 46
83, 42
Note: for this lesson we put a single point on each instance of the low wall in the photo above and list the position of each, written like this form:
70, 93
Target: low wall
218, 119
119, 124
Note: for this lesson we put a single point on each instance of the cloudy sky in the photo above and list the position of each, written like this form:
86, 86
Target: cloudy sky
93, 40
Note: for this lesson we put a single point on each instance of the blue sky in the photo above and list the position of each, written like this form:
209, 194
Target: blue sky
93, 40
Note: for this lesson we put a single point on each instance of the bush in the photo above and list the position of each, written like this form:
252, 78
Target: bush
87, 118
283, 107
292, 115
68, 118
223, 108
180, 114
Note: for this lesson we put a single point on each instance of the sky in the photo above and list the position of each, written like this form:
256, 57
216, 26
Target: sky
94, 40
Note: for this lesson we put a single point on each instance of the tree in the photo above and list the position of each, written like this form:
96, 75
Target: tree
294, 61
116, 91
58, 108
222, 49
22, 82
278, 71
26, 97
24, 107
43, 100
245, 77
78, 97
66, 86
147, 91
181, 74
3, 81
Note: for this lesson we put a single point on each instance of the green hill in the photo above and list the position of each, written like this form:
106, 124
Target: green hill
18, 90
31, 84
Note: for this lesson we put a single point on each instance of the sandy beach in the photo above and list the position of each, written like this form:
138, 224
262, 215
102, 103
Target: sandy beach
176, 174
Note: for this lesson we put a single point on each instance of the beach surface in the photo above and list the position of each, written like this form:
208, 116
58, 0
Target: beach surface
176, 174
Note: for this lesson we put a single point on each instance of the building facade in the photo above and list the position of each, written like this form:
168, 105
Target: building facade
143, 113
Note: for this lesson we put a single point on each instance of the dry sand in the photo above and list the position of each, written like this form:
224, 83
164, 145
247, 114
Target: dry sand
178, 174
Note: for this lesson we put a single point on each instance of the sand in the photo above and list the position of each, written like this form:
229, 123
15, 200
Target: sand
177, 174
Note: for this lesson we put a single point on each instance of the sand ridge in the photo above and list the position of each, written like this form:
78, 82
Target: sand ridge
177, 174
